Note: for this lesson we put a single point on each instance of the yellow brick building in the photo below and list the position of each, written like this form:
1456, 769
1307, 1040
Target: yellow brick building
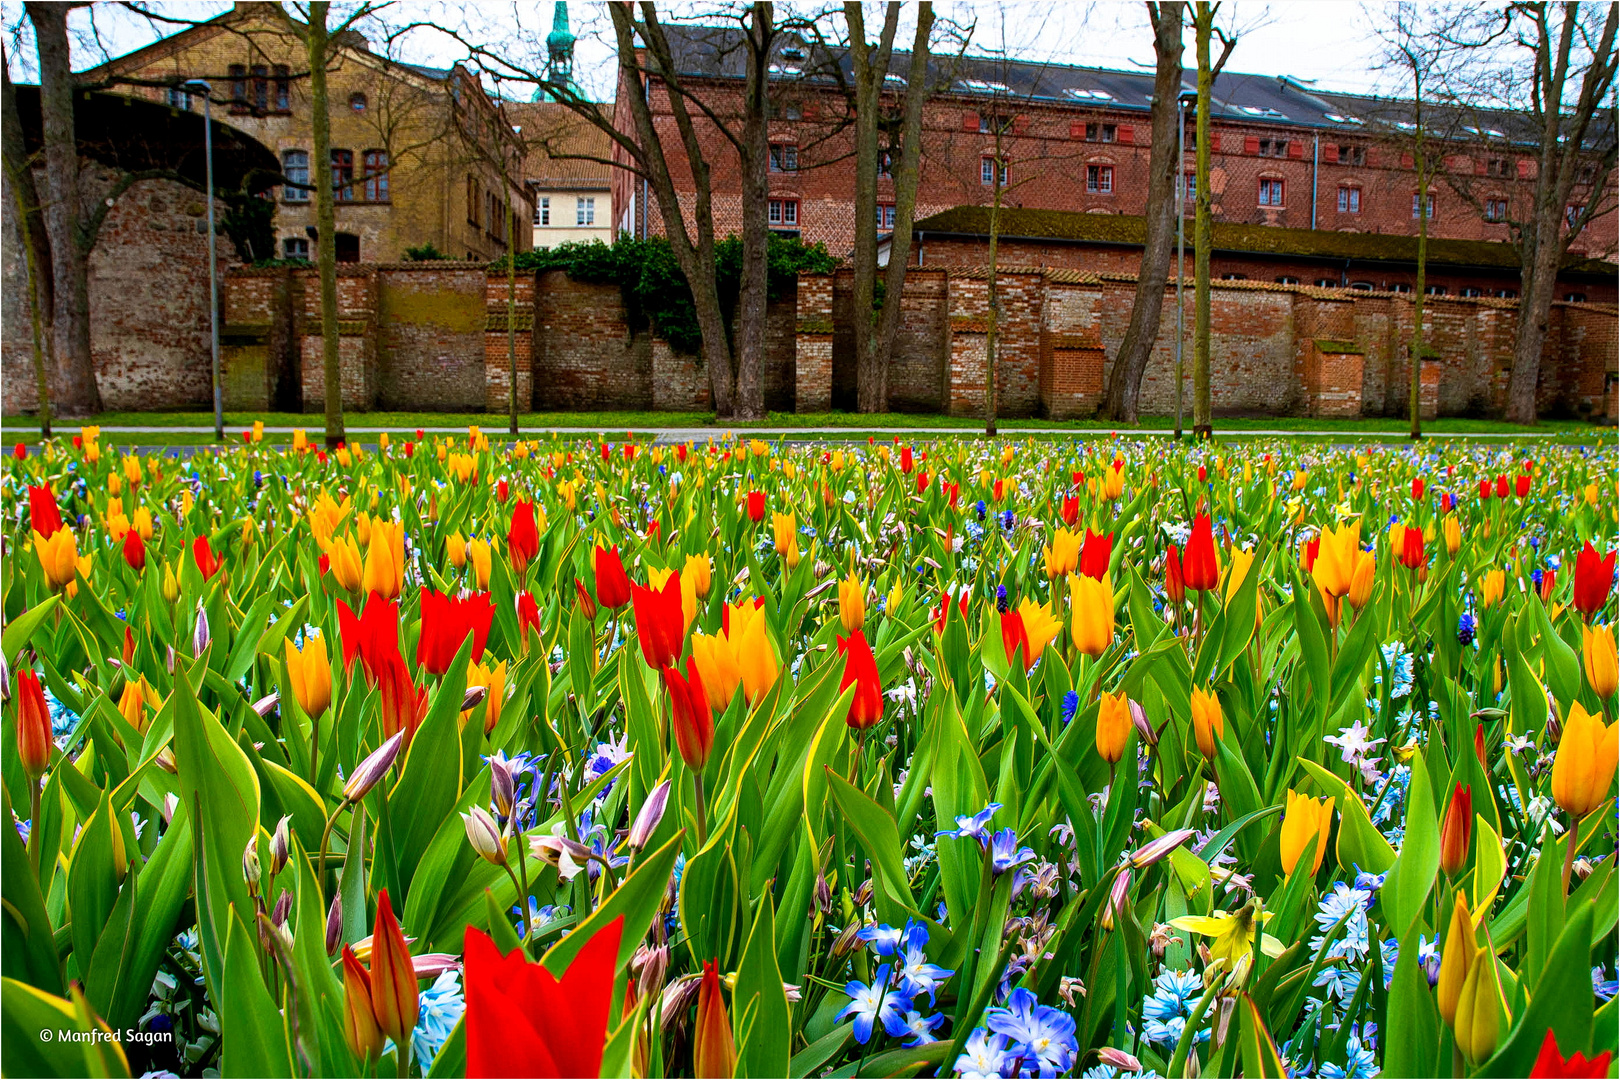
420, 155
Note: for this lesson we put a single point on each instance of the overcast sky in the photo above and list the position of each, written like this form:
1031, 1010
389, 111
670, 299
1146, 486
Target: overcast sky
1329, 41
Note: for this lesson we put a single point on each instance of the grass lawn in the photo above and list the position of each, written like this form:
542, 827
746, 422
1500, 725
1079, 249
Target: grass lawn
403, 424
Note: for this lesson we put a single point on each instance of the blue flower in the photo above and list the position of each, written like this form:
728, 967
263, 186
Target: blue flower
1605, 988
441, 1007
874, 1003
884, 939
1001, 599
983, 1056
973, 828
1005, 852
1165, 1011
1039, 1033
919, 1027
1070, 706
917, 975
978, 508
1358, 1058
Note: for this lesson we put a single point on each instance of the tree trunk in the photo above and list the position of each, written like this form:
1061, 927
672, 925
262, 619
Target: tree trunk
511, 315
325, 221
992, 302
1202, 428
1414, 396
868, 68
1164, 164
1538, 282
754, 158
75, 391
35, 244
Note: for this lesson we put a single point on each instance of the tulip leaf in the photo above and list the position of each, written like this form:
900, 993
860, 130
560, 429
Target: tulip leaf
320, 989
760, 1014
1413, 1041
879, 836
270, 641
1260, 1057
1238, 792
84, 1047
430, 776
251, 1032
1562, 1003
1413, 873
637, 899
1528, 695
27, 951
20, 631
1361, 846
248, 635
1563, 666
451, 1060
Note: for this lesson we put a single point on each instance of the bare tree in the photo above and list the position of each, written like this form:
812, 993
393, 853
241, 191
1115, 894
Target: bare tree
36, 244
1204, 28
1164, 167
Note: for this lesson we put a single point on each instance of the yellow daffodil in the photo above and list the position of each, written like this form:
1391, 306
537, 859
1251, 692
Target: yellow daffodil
1232, 932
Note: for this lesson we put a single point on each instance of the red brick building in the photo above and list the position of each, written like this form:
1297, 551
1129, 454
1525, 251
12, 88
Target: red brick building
1077, 139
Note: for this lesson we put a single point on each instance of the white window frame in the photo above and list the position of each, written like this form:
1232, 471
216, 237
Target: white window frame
585, 211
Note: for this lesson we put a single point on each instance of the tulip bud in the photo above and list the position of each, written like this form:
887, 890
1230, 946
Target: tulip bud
548, 849
266, 705
846, 941
1479, 1008
278, 914
393, 977
373, 768
648, 817
863, 893
654, 966
485, 836
279, 845
250, 862
1119, 1059
360, 1029
334, 925
502, 790
1143, 726
1118, 894
474, 697
713, 1051
1456, 957
34, 743
1456, 831
1155, 850
199, 635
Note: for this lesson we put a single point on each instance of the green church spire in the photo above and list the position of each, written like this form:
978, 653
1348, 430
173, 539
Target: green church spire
560, 50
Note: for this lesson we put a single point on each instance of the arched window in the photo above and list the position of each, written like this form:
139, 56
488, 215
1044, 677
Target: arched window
375, 163
357, 102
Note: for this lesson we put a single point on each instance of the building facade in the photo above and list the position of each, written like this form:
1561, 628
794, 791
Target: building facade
568, 174
1054, 137
421, 157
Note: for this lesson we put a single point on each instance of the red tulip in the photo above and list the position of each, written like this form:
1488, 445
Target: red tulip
1484, 491
714, 1052
1501, 485
860, 671
410, 448
501, 489
1417, 488
403, 703
323, 565
528, 613
1412, 547
1095, 553
1456, 830
660, 624
1448, 502
612, 586
1014, 636
43, 513
522, 1021
19, 451
1313, 548
905, 459
680, 453
523, 538
756, 506
922, 482
1479, 745
1175, 581
360, 1029
1521, 485
206, 560
1594, 577
997, 491
943, 611
955, 491
692, 719
1553, 1065
393, 978
1198, 567
1071, 510
1203, 474
129, 646
371, 635
1077, 478
33, 725
135, 550
1549, 582
420, 434
446, 622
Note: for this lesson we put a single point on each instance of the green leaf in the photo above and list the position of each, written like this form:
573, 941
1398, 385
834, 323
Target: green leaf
1260, 1057
252, 1035
1361, 846
25, 1011
878, 835
27, 949
1414, 872
1413, 1042
1562, 1003
637, 899
760, 1014
430, 778
20, 631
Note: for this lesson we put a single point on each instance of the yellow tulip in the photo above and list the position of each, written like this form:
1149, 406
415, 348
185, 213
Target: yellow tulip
1456, 958
479, 555
58, 557
493, 680
300, 440
455, 547
1598, 654
701, 572
385, 559
1490, 588
1113, 725
1480, 1007
114, 485
117, 526
717, 666
756, 659
897, 593
1241, 561
325, 517
1336, 559
1300, 479
142, 522
1208, 723
171, 584
1091, 607
1585, 764
310, 671
1453, 534
1040, 626
1306, 818
132, 470
785, 528
1063, 556
852, 603
792, 557
1591, 494
1361, 582
658, 577
137, 697
344, 556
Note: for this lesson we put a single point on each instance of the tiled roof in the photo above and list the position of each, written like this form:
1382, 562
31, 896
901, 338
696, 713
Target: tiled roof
1131, 230
552, 132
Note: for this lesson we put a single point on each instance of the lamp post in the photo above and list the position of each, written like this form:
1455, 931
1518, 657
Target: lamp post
213, 261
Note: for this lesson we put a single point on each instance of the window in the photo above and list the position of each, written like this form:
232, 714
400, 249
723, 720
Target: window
1400, 287
1349, 200
1471, 291
1102, 132
1436, 290
179, 99
984, 124
1352, 155
357, 102
347, 247
295, 167
542, 211
885, 166
343, 175
283, 88
1191, 181
1327, 283
885, 216
472, 201
585, 211
1496, 210
376, 166
1099, 179
1273, 147
261, 88
1572, 215
784, 157
1362, 286
989, 173
1271, 193
1234, 277
1288, 279
783, 212
238, 88
295, 247
1575, 298
1496, 166
1506, 294
1428, 211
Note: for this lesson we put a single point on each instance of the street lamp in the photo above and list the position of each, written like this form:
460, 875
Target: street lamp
206, 90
